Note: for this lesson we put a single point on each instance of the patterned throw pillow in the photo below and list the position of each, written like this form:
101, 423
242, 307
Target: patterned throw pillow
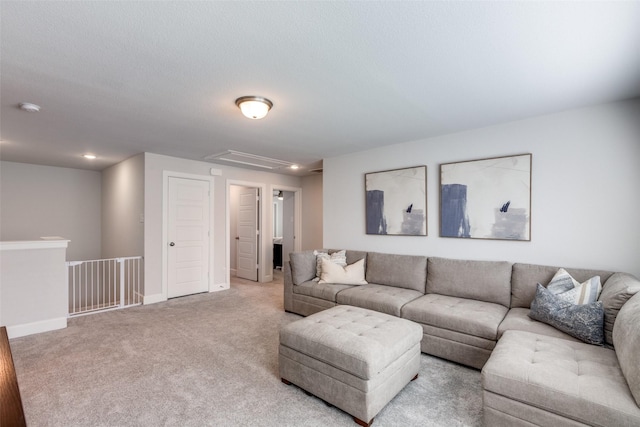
585, 322
339, 257
569, 289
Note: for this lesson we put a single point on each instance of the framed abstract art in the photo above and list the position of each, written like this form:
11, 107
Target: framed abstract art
396, 202
486, 198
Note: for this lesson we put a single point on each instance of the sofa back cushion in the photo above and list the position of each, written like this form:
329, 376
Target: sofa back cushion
626, 338
401, 271
354, 256
303, 266
525, 278
488, 281
615, 293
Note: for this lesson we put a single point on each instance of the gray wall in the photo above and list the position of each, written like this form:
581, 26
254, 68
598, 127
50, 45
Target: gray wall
312, 212
123, 208
585, 195
33, 288
37, 201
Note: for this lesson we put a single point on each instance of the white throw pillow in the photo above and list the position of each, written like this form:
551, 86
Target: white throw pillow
339, 257
348, 275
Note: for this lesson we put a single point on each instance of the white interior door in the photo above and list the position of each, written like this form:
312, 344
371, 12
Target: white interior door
247, 234
188, 236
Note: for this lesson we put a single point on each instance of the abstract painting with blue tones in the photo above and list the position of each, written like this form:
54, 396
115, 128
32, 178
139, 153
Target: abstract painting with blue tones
486, 199
396, 202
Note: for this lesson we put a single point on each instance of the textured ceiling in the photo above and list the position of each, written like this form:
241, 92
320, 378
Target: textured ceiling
119, 78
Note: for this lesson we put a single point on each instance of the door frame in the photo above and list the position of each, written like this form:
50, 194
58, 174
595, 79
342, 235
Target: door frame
165, 226
297, 216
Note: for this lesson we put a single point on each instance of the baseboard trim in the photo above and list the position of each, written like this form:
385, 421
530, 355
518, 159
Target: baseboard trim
153, 299
25, 329
219, 287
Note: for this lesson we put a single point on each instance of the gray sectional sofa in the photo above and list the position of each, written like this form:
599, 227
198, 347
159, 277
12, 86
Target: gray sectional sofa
476, 313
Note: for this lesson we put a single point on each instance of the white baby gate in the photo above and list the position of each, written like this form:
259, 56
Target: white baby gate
104, 284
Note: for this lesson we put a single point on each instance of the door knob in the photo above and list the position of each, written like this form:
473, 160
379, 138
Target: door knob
172, 244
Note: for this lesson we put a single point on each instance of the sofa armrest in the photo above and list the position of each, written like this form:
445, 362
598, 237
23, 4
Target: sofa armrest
288, 286
626, 336
616, 291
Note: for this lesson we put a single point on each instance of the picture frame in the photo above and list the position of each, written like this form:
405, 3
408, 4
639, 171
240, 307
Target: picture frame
396, 202
487, 198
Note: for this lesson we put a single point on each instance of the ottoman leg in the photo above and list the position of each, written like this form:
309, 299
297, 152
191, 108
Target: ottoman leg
367, 424
362, 423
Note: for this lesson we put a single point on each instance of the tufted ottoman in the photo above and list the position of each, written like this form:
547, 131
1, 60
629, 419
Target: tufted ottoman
352, 358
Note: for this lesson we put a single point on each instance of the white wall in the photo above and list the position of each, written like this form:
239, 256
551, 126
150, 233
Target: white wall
122, 208
585, 190
154, 166
37, 201
312, 212
33, 287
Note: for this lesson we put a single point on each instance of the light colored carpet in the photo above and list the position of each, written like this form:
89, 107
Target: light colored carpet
205, 360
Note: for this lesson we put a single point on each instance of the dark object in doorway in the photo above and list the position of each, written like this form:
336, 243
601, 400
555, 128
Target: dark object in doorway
277, 255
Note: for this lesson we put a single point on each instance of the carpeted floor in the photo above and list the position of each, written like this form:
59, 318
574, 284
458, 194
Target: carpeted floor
205, 360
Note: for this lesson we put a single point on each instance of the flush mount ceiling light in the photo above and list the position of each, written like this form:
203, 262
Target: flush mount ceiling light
254, 107
29, 107
89, 156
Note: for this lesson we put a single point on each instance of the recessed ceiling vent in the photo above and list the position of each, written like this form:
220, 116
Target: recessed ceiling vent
316, 170
247, 159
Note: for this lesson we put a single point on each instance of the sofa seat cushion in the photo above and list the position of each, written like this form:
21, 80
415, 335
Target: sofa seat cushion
324, 291
572, 379
382, 298
518, 319
468, 316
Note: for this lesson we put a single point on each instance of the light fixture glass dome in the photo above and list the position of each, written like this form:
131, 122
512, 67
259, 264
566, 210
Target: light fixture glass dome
254, 107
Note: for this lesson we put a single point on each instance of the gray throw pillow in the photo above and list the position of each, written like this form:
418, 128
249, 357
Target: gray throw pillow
585, 321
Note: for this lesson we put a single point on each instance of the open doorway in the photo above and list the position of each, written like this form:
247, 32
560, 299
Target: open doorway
284, 226
264, 227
